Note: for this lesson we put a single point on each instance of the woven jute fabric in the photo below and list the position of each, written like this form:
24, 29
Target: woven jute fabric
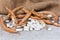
11, 4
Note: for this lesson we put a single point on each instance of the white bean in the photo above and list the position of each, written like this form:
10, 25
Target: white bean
19, 29
26, 28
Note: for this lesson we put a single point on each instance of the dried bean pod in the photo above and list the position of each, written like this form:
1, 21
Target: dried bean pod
56, 18
14, 10
5, 27
28, 14
13, 15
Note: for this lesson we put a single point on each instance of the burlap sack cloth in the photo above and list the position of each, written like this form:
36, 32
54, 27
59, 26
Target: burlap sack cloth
11, 4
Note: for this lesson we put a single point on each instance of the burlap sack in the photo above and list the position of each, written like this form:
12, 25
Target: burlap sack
15, 3
53, 8
6, 3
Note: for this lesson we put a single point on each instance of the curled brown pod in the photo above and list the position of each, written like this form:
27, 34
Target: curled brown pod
55, 17
28, 14
47, 21
38, 15
35, 17
51, 23
14, 10
56, 24
13, 30
20, 16
12, 15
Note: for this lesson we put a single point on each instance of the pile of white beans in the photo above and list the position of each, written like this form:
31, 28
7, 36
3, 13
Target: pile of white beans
32, 24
